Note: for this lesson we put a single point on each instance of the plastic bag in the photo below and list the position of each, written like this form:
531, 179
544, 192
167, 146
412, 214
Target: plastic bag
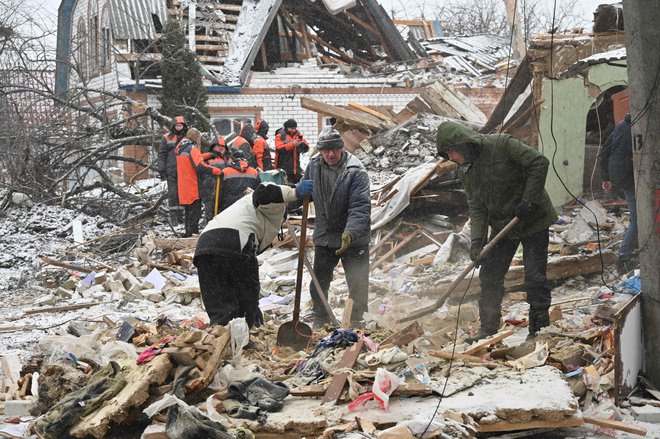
384, 384
240, 336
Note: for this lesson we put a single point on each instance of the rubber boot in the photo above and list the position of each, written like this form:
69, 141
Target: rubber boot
537, 320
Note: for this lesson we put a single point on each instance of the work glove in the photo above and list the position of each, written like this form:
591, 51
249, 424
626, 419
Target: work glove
523, 209
162, 175
345, 243
304, 187
475, 250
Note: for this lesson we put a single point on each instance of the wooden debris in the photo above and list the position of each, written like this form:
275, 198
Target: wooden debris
616, 425
339, 381
61, 308
448, 356
346, 317
133, 395
67, 265
483, 344
515, 426
405, 336
169, 244
359, 120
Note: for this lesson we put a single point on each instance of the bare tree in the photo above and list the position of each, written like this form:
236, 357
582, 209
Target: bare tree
474, 17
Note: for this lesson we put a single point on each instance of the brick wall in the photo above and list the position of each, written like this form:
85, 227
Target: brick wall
485, 98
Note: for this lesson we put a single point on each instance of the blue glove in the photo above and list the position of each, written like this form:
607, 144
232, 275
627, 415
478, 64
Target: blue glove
304, 187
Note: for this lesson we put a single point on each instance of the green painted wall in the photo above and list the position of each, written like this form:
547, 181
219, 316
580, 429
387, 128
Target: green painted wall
562, 129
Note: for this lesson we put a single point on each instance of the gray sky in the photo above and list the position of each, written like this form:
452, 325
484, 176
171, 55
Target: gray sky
404, 9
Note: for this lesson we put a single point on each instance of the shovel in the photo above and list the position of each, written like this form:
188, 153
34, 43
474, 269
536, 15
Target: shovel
296, 334
441, 299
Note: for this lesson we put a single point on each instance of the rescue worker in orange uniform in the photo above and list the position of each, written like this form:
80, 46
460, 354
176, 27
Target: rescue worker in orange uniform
219, 159
244, 143
237, 177
289, 144
167, 166
188, 159
260, 146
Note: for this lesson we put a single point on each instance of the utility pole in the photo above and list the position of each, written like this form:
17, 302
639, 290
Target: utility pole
641, 19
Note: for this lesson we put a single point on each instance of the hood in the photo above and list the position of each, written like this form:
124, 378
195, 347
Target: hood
247, 132
262, 128
451, 135
181, 120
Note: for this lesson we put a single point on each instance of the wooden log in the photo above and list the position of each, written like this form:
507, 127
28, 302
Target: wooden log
119, 409
368, 110
448, 356
67, 265
339, 381
404, 336
483, 344
61, 308
615, 425
356, 119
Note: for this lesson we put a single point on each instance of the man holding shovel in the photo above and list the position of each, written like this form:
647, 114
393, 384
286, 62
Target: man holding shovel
339, 186
503, 179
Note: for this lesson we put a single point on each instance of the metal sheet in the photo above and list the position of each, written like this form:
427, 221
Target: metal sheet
132, 19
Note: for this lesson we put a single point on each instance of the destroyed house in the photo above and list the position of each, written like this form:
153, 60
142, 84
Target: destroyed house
257, 57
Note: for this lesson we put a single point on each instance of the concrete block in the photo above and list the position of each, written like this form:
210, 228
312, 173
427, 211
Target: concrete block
18, 408
646, 413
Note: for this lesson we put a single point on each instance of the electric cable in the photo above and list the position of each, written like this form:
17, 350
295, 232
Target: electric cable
460, 304
642, 112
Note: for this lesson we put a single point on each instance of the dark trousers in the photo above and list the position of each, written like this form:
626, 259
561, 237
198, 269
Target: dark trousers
175, 210
229, 287
193, 213
495, 267
355, 261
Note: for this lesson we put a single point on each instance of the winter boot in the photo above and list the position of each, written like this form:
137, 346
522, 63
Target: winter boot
537, 320
490, 324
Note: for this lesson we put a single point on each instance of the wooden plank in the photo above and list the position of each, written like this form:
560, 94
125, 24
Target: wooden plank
346, 317
55, 262
359, 120
339, 381
61, 308
369, 110
518, 84
460, 103
213, 365
489, 342
513, 426
169, 244
615, 425
394, 249
441, 167
448, 356
386, 238
405, 336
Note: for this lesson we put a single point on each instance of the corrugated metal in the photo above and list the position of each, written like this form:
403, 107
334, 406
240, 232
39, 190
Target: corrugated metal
478, 54
132, 19
597, 58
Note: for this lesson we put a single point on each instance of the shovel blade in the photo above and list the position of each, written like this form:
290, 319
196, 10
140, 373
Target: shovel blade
294, 334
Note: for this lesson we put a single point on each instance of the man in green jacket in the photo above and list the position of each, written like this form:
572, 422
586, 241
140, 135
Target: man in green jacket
503, 179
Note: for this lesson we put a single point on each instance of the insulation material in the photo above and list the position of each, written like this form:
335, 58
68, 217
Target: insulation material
337, 6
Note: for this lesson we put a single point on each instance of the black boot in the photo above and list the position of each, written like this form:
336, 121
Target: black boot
537, 320
490, 323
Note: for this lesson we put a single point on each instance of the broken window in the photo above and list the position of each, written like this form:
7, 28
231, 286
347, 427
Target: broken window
106, 40
81, 49
93, 35
225, 124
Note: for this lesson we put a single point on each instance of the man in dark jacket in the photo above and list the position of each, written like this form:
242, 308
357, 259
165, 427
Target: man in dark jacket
219, 158
244, 141
289, 144
616, 168
167, 166
226, 253
503, 179
237, 177
339, 186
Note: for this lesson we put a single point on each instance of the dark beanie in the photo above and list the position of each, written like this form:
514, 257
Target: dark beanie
291, 123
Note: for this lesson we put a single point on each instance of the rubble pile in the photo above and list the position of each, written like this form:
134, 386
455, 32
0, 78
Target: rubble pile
405, 146
127, 347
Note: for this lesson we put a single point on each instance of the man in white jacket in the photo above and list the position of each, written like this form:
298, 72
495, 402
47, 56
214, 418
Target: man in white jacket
226, 253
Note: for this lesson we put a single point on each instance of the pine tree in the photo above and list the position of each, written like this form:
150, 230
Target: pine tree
182, 80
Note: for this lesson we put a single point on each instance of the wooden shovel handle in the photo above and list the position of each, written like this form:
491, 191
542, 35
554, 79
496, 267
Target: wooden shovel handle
301, 258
